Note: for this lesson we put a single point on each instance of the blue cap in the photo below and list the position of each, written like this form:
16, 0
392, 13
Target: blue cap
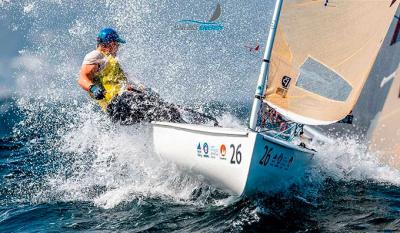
107, 35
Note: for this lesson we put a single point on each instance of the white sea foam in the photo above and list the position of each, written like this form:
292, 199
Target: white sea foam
115, 164
349, 160
29, 7
118, 162
229, 121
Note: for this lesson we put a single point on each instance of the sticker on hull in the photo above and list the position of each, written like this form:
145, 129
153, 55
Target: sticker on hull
205, 149
222, 151
275, 159
209, 151
199, 150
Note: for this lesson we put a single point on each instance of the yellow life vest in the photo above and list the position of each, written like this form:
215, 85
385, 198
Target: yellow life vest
111, 78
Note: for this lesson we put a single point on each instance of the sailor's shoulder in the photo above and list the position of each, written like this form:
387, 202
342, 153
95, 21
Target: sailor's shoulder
94, 54
93, 57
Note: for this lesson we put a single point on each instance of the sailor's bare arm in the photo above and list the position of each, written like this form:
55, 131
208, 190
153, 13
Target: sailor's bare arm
86, 75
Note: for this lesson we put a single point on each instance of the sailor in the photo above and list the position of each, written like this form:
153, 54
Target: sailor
103, 78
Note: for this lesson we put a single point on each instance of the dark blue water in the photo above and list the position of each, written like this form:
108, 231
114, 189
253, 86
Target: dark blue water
69, 171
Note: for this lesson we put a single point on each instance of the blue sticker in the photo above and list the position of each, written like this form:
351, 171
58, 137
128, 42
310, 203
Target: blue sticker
199, 149
205, 148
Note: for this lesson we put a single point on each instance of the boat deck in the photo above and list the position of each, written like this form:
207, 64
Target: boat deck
205, 129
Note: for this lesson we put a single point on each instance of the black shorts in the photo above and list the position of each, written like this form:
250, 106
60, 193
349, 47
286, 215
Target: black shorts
133, 107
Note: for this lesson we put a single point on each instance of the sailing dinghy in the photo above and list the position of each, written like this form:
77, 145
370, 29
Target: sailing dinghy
314, 66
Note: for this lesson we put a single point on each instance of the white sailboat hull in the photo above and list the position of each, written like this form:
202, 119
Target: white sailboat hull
241, 162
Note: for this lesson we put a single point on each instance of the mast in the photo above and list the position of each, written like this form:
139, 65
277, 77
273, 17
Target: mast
263, 77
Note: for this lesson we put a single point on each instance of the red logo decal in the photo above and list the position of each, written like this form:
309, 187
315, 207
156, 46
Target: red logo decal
222, 150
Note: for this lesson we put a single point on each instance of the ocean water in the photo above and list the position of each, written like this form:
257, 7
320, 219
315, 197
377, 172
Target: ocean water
77, 171
64, 167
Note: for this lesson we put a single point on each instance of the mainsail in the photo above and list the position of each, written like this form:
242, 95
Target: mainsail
322, 56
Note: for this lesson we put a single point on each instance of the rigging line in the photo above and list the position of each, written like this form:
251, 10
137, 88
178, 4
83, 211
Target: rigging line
282, 132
